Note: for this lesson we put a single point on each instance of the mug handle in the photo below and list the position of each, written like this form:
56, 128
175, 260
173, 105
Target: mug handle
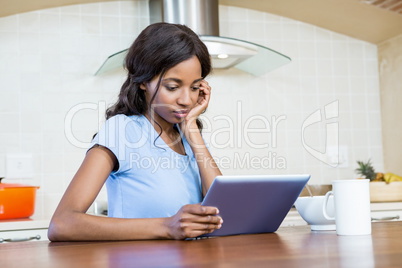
324, 206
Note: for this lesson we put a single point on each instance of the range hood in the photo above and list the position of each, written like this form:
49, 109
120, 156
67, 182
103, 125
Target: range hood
202, 16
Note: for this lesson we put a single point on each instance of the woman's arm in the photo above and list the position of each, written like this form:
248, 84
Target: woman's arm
71, 223
206, 164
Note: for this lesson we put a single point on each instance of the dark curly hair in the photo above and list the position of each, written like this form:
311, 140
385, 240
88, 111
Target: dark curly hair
158, 48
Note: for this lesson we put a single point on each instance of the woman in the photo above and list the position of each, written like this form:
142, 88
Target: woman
150, 151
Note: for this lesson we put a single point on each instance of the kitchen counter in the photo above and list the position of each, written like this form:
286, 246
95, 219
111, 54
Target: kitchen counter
292, 219
31, 228
34, 228
24, 224
288, 247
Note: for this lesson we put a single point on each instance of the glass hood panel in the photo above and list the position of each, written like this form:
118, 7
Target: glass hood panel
225, 53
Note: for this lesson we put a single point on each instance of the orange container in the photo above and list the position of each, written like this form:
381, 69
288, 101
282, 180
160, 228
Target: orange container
17, 200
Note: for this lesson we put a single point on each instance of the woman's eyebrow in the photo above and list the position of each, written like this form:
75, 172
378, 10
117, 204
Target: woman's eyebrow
198, 80
172, 79
180, 81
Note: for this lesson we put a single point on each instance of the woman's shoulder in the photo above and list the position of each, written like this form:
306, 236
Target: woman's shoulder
125, 119
121, 123
134, 117
125, 129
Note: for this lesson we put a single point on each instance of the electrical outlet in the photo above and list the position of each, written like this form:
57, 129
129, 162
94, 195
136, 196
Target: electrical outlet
19, 166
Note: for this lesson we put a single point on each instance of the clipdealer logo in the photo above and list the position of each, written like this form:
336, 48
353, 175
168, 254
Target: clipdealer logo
330, 156
238, 132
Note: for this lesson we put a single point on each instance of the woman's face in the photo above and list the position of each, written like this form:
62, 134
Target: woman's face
178, 92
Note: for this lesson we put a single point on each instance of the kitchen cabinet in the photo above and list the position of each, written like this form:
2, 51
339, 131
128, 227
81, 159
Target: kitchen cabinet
386, 211
32, 229
23, 235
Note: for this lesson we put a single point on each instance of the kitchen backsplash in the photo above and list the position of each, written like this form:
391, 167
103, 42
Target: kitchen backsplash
282, 122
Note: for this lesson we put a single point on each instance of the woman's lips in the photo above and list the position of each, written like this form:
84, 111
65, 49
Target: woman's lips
181, 113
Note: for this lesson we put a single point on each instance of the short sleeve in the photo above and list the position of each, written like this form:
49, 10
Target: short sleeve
120, 135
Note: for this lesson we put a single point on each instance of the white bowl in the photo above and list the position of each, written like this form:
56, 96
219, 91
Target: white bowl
310, 209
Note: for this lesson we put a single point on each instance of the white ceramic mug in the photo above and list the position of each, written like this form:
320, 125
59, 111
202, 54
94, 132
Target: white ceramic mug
352, 206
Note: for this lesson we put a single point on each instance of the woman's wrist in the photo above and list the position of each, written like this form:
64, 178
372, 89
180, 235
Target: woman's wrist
191, 131
163, 231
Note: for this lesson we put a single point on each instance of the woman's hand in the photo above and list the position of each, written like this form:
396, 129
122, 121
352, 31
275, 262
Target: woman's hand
206, 164
202, 102
189, 123
192, 221
203, 99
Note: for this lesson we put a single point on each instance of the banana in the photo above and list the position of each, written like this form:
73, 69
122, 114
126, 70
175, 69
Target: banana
390, 177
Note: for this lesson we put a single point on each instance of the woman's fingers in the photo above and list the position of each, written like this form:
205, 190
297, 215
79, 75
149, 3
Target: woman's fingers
205, 93
196, 233
206, 89
201, 218
211, 221
194, 229
197, 209
201, 104
202, 214
200, 227
205, 84
194, 220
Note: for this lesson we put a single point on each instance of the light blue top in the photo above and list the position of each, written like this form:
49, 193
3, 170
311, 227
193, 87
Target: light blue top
152, 180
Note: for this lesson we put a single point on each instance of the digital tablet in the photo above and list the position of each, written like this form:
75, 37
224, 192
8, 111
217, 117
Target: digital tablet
253, 204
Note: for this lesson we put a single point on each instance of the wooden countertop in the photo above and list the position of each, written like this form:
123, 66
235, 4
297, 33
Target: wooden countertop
288, 247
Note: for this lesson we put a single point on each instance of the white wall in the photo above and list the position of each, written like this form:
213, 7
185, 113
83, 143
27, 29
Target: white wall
390, 58
48, 58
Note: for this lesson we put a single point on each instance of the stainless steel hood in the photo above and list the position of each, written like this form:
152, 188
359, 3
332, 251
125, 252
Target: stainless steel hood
202, 16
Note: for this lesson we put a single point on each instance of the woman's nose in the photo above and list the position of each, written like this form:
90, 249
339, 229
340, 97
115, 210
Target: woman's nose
185, 98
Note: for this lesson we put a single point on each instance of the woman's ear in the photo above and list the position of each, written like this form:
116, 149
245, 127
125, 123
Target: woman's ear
143, 86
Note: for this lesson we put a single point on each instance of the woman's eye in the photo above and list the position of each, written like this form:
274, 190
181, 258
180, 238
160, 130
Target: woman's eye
171, 88
196, 88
